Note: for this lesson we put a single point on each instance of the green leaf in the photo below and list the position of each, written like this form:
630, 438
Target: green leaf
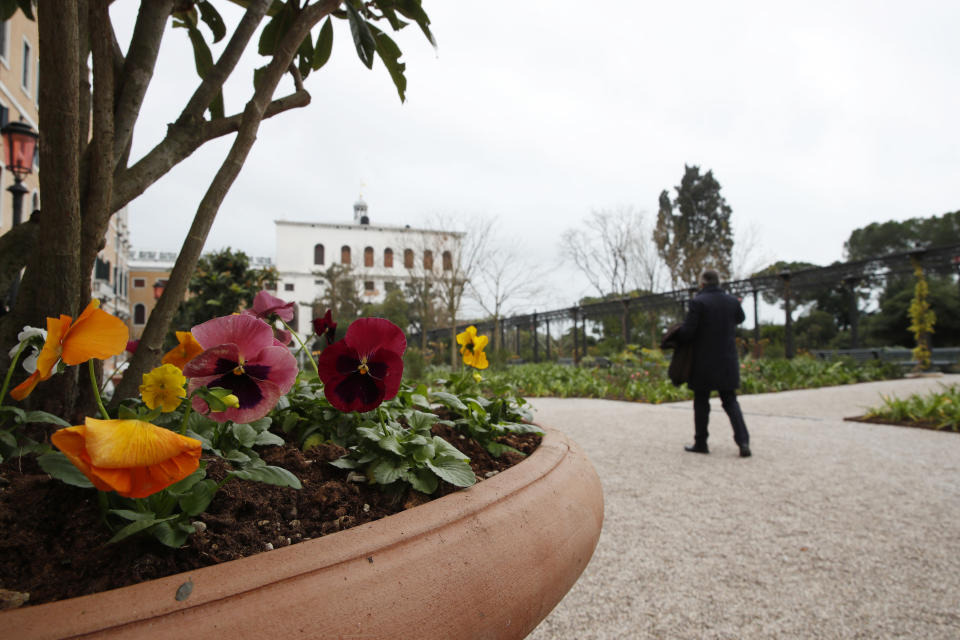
344, 463
236, 456
49, 418
420, 400
447, 450
203, 61
172, 535
8, 439
129, 514
198, 499
136, 527
390, 443
456, 472
324, 46
290, 422
449, 400
20, 415
269, 475
497, 449
267, 438
245, 434
421, 420
275, 29
127, 413
213, 20
423, 480
261, 425
362, 38
387, 470
59, 467
390, 53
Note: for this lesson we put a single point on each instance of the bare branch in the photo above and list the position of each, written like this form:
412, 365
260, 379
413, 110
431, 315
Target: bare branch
138, 69
180, 142
213, 82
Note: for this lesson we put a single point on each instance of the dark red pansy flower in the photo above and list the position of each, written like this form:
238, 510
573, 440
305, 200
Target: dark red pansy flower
365, 368
327, 328
132, 345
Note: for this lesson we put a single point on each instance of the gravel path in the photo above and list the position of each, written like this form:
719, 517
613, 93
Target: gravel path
832, 529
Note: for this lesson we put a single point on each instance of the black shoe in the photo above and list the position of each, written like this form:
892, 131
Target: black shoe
745, 451
697, 448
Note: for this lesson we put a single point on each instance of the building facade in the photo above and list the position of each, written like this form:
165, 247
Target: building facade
19, 71
380, 258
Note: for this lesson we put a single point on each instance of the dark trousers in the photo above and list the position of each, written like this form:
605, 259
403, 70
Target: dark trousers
701, 415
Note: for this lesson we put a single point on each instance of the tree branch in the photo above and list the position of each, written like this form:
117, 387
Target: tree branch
213, 83
157, 326
180, 143
138, 69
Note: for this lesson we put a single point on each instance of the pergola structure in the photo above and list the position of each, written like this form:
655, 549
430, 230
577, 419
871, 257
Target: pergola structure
849, 275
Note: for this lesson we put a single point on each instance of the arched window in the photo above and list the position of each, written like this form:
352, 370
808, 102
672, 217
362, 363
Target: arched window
388, 258
428, 260
368, 257
139, 313
345, 254
318, 254
447, 261
408, 258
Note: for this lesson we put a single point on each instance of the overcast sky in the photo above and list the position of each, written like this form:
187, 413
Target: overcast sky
816, 118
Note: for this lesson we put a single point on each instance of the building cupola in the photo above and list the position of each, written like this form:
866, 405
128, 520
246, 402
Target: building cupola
360, 212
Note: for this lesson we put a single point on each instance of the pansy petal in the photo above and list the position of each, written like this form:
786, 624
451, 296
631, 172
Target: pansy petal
356, 392
187, 349
269, 396
114, 444
480, 343
50, 353
249, 333
212, 362
327, 362
26, 387
394, 373
367, 335
95, 334
282, 366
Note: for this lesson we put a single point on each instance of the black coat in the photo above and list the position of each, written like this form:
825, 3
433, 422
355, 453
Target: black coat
710, 326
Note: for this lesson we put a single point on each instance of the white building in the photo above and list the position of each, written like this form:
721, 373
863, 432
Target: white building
381, 257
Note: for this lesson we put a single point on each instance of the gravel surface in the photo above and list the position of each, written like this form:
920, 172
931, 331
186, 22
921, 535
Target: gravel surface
832, 529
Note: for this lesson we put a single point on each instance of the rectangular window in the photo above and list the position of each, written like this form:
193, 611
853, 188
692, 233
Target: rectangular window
288, 286
368, 286
139, 283
390, 286
27, 67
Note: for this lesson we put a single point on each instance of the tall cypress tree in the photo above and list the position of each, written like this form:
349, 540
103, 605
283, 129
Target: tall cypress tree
693, 230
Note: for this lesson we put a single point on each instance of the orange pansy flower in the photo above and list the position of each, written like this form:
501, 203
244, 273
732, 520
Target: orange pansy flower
134, 458
95, 334
187, 350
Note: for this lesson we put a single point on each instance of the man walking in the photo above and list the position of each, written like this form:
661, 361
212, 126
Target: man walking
710, 326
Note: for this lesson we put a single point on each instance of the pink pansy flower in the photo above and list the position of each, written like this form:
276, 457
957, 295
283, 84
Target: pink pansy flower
267, 307
241, 354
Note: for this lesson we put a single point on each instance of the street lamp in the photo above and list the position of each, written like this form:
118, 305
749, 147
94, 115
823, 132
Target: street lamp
19, 146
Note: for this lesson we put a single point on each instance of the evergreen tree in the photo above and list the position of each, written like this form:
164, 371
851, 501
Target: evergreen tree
693, 231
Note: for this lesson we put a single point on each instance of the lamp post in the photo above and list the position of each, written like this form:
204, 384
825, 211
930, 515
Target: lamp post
19, 146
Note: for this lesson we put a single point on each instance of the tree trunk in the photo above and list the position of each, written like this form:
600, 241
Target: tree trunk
52, 280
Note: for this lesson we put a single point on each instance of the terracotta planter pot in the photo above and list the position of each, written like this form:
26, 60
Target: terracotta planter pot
487, 562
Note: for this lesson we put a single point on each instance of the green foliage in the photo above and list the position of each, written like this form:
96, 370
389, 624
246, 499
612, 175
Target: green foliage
394, 445
936, 409
340, 295
922, 319
395, 308
642, 377
897, 236
223, 283
693, 231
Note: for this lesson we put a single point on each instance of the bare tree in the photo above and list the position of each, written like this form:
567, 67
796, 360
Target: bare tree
602, 248
505, 277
